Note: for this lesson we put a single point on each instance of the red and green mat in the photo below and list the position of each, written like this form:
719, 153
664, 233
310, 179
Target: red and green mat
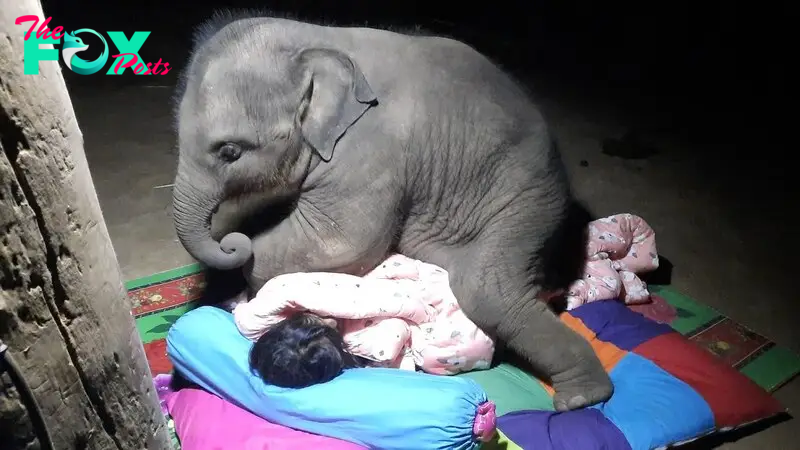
158, 300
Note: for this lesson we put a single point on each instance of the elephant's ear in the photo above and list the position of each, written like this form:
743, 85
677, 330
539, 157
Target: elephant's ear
335, 95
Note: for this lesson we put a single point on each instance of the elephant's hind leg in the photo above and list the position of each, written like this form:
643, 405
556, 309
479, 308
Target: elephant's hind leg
495, 287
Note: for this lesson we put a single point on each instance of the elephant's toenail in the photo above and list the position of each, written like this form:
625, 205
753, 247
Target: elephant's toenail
577, 401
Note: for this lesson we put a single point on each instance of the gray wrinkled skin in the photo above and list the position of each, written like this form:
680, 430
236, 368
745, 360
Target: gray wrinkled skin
388, 142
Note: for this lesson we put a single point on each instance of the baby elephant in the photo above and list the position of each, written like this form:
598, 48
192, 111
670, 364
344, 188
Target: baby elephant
384, 142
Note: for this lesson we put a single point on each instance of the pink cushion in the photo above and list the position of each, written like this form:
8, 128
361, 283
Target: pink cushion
204, 421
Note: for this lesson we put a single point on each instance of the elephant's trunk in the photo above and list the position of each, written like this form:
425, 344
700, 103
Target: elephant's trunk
192, 211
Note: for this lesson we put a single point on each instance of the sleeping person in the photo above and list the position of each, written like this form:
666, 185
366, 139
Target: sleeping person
309, 327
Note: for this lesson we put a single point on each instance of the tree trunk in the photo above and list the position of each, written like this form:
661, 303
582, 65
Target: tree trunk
64, 312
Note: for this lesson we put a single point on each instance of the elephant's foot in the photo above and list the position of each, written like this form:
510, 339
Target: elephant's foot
581, 392
558, 353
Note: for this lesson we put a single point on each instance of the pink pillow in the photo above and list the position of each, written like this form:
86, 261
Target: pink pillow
204, 421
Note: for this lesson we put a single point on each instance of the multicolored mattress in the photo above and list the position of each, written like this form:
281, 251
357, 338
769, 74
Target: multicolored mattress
667, 390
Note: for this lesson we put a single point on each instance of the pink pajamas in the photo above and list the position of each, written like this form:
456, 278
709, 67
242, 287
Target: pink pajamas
403, 314
619, 247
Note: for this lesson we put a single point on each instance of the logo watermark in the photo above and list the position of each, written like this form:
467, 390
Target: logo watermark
127, 57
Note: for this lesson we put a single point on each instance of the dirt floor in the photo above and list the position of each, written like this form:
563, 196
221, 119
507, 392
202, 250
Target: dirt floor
724, 231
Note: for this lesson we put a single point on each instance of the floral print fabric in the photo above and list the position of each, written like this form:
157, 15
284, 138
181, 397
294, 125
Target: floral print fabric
402, 314
619, 247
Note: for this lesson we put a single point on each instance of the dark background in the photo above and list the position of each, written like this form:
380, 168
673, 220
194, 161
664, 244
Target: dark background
710, 71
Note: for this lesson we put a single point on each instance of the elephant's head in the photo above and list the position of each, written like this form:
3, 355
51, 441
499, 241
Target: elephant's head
255, 117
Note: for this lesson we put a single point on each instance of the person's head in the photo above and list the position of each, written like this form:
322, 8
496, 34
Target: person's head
301, 351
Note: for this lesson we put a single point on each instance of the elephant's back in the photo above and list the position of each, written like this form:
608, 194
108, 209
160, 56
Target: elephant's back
435, 74
451, 109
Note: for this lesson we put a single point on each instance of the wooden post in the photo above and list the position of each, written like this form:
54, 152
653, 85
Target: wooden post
64, 312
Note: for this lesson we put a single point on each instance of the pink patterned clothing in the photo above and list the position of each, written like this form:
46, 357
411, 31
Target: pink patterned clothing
403, 314
619, 247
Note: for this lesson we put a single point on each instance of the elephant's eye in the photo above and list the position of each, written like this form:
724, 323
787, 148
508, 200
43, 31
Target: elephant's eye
230, 152
282, 134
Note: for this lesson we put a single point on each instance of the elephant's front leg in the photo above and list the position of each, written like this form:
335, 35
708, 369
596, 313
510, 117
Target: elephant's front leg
493, 284
310, 239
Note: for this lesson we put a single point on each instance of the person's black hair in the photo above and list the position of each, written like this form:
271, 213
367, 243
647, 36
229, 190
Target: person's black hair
301, 351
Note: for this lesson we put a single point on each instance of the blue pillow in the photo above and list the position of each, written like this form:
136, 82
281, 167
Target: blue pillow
373, 407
